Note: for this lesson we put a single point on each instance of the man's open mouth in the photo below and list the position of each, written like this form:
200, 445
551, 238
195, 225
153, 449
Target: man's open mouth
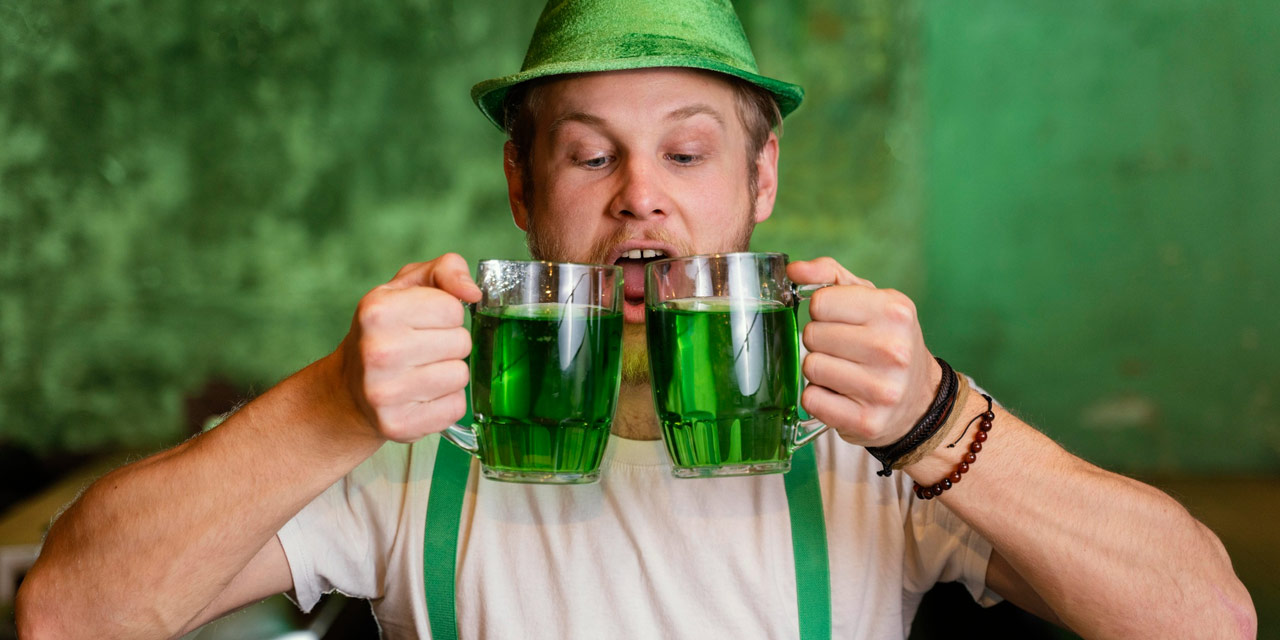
633, 262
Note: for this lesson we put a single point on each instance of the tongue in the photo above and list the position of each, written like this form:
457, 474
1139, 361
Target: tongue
632, 280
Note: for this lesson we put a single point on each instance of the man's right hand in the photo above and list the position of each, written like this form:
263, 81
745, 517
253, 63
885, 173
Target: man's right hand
402, 362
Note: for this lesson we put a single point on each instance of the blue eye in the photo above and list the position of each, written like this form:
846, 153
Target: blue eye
682, 158
595, 163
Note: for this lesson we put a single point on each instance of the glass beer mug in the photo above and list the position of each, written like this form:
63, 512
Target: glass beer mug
545, 368
724, 362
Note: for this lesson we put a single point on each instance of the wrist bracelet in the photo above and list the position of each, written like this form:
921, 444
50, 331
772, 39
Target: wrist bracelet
975, 447
928, 425
949, 423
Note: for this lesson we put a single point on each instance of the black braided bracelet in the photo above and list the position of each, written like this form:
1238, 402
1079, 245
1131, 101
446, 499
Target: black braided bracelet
928, 425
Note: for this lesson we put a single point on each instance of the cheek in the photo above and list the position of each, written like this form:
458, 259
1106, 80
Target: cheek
721, 205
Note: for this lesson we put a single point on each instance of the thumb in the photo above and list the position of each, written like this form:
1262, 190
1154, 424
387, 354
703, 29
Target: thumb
823, 270
448, 273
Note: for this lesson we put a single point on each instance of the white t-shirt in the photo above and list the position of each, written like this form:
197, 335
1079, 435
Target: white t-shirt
640, 554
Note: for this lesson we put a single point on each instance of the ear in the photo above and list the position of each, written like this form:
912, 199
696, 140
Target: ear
515, 186
767, 180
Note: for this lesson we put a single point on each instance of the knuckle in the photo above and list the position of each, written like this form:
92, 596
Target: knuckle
860, 426
445, 308
900, 308
376, 354
887, 394
372, 310
378, 396
864, 429
407, 268
398, 431
854, 428
897, 352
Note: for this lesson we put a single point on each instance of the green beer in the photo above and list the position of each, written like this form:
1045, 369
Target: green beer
544, 380
725, 376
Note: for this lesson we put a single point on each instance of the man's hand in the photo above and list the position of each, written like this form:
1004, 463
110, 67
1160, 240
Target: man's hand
402, 362
871, 377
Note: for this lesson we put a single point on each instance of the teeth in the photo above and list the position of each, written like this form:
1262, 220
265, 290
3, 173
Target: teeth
639, 254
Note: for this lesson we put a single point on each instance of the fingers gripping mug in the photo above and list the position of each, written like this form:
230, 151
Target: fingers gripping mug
545, 367
724, 362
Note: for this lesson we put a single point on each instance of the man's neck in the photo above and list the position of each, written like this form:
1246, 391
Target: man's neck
635, 418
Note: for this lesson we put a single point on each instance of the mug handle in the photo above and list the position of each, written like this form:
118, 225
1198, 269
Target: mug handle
463, 434
813, 427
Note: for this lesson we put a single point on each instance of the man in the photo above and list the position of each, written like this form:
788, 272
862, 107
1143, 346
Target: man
633, 127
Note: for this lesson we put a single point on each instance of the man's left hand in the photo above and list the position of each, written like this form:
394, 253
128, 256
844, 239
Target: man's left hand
870, 375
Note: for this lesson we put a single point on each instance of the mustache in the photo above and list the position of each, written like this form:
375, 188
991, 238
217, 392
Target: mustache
545, 244
602, 249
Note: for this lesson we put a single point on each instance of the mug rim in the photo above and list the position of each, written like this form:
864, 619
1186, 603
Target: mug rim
727, 254
550, 263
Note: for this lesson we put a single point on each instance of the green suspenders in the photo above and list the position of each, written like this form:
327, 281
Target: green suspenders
440, 539
809, 545
444, 511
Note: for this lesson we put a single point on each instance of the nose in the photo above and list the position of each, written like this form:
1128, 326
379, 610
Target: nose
642, 194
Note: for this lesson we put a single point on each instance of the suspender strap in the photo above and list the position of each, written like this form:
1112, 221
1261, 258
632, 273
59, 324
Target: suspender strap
440, 539
444, 512
809, 545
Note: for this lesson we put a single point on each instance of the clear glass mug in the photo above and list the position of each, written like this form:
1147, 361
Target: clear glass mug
724, 362
546, 361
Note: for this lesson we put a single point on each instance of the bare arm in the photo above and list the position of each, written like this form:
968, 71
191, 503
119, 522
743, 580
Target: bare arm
1110, 556
1106, 555
267, 574
152, 545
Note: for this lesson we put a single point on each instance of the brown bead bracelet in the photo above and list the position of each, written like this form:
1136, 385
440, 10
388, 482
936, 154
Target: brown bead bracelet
984, 426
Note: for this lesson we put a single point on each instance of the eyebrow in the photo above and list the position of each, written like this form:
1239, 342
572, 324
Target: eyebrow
574, 116
683, 113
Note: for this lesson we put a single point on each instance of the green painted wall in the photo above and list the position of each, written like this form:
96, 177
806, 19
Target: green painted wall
1081, 200
1102, 221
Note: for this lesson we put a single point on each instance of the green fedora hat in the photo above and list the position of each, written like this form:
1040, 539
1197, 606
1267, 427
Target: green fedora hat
579, 36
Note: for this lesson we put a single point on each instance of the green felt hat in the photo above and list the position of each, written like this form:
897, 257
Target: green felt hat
577, 36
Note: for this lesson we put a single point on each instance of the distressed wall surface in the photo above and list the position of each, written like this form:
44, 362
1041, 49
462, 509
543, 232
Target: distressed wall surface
1103, 216
1081, 200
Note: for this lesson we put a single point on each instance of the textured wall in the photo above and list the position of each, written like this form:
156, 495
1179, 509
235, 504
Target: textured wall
1102, 221
201, 191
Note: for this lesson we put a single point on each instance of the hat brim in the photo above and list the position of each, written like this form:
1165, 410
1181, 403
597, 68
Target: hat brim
489, 94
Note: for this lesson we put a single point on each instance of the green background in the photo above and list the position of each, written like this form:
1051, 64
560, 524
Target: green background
1080, 196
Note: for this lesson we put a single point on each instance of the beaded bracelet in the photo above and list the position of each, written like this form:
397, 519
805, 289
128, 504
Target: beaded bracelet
927, 426
975, 447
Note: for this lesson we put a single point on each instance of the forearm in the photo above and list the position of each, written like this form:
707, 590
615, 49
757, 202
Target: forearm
1113, 557
151, 544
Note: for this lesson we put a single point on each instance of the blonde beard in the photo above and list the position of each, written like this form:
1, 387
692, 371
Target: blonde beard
635, 356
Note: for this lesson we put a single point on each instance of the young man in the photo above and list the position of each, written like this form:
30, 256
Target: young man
633, 128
